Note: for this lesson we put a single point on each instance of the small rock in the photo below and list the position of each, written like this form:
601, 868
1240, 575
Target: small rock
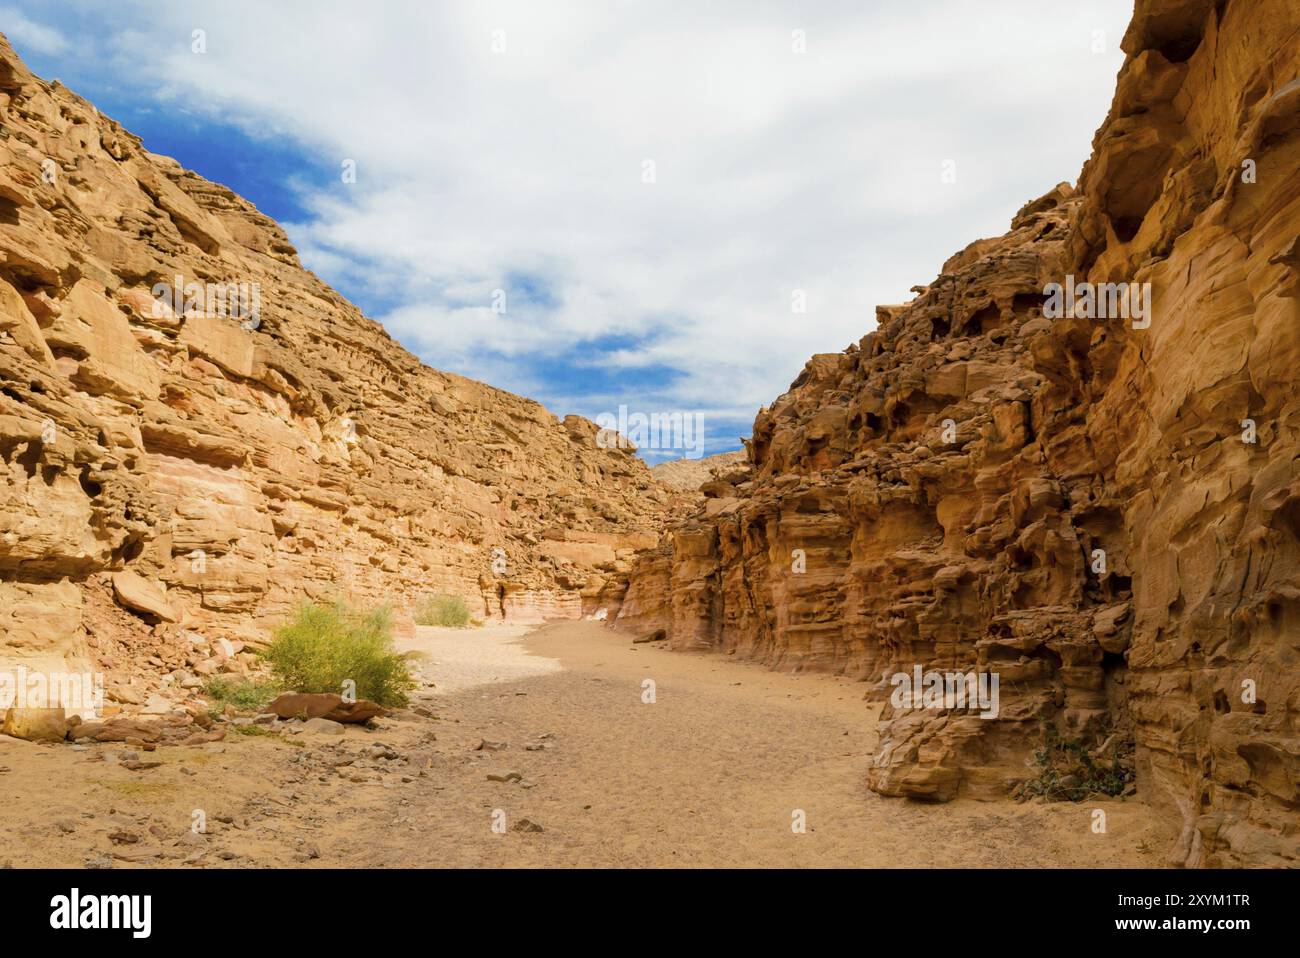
485, 745
527, 825
509, 775
322, 726
158, 705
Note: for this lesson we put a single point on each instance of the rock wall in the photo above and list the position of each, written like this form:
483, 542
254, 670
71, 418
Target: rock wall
196, 432
1103, 512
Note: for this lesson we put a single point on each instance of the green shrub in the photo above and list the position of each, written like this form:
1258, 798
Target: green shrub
1067, 770
445, 610
242, 694
325, 645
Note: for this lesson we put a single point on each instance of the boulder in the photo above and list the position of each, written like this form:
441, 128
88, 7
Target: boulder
140, 595
326, 705
36, 725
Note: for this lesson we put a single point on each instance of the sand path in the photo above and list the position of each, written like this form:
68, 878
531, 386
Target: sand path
710, 773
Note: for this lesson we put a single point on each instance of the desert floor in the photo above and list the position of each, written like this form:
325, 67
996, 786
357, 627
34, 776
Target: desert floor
709, 774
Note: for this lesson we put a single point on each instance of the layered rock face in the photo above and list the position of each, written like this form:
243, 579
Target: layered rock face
197, 432
1100, 505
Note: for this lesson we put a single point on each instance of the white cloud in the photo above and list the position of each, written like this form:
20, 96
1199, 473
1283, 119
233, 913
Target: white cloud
775, 170
25, 33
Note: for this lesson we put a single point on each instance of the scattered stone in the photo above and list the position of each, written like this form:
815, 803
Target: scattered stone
203, 738
527, 825
506, 776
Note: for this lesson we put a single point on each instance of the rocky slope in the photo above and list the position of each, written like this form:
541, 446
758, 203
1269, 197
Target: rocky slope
688, 475
1103, 512
181, 469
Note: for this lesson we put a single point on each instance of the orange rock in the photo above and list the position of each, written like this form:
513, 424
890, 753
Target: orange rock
310, 705
36, 724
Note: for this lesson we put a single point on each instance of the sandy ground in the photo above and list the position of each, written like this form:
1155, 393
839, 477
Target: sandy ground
710, 773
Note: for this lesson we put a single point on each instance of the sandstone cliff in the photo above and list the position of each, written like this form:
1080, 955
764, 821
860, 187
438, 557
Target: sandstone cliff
1107, 517
180, 469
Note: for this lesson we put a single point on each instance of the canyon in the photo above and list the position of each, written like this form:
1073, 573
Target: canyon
1103, 513
179, 476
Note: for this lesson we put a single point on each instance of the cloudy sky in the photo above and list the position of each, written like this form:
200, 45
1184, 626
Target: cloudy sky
645, 190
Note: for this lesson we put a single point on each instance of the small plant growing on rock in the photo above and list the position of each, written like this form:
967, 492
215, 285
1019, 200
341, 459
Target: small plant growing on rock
449, 611
1067, 771
241, 694
322, 646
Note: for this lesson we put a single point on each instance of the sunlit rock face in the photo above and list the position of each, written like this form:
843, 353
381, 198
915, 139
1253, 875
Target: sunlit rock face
1094, 497
181, 400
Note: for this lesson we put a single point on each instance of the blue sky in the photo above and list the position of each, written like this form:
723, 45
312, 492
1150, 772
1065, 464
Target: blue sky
644, 187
